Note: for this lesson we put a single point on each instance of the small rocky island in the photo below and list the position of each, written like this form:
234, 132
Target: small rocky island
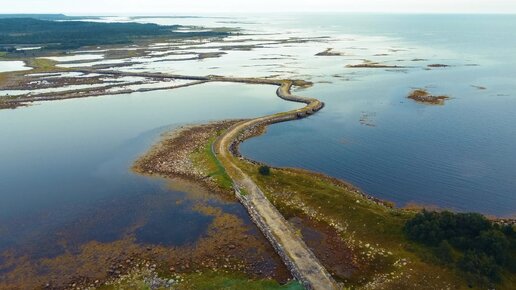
423, 96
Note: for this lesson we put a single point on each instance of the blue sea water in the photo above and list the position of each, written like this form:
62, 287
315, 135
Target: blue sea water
460, 156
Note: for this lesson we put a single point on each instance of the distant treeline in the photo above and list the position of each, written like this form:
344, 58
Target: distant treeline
74, 34
481, 249
46, 16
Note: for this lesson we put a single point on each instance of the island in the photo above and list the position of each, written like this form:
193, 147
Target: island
423, 96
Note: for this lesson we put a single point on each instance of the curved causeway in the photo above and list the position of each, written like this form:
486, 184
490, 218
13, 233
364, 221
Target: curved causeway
303, 264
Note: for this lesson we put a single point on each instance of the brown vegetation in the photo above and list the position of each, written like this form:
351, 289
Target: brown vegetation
423, 96
372, 64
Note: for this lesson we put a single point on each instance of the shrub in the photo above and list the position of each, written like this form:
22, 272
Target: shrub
444, 252
480, 265
264, 170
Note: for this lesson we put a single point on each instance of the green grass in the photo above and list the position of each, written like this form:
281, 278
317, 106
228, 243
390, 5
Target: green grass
369, 227
205, 158
243, 192
367, 219
206, 281
43, 65
216, 281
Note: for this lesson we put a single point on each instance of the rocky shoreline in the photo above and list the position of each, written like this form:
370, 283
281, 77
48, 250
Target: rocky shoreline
171, 156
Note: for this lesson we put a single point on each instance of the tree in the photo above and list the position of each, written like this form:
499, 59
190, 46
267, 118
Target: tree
444, 252
495, 244
480, 265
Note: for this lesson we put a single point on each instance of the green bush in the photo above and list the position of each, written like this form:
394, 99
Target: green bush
444, 252
479, 265
264, 170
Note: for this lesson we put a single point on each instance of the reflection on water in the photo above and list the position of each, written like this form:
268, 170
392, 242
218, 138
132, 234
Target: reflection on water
69, 198
459, 156
15, 65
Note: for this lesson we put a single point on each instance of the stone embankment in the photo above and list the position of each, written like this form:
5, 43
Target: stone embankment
303, 264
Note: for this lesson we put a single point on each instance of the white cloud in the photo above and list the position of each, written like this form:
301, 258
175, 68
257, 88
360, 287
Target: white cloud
235, 6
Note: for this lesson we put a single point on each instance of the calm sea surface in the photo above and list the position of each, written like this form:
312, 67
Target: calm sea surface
460, 156
67, 162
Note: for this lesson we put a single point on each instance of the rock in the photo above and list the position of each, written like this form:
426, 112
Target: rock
231, 246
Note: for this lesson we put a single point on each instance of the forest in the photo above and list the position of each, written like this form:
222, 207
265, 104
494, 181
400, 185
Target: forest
74, 34
481, 249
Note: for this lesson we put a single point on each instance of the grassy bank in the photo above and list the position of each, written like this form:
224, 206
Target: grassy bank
381, 253
213, 281
204, 158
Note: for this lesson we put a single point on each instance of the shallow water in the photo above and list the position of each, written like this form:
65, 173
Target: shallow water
64, 160
80, 57
14, 65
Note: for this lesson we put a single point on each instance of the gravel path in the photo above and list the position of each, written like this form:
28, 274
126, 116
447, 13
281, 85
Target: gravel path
298, 257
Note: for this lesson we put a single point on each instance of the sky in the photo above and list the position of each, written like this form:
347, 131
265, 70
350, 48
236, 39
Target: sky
170, 7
